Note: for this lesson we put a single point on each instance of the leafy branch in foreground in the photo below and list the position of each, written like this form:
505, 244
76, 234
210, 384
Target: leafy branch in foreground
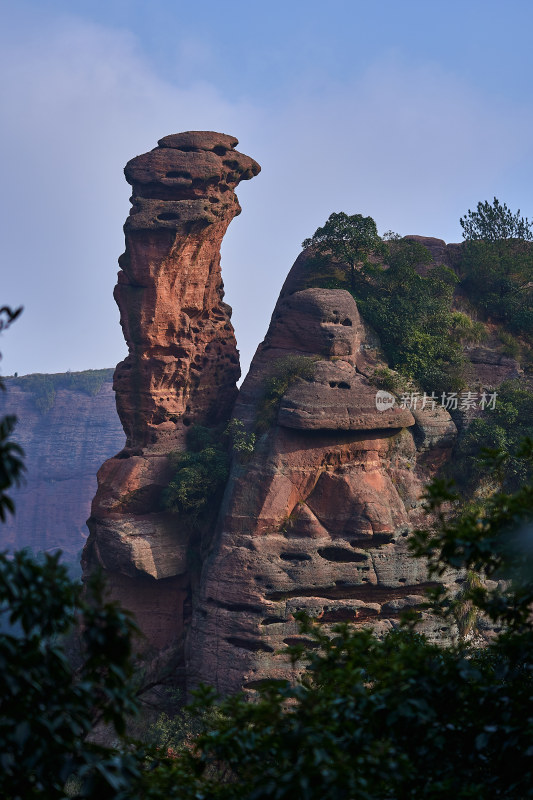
47, 707
11, 464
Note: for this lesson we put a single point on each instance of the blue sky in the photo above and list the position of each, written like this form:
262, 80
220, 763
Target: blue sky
410, 112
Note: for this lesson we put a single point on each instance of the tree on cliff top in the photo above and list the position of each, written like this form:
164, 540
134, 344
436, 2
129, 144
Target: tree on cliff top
497, 265
495, 223
350, 239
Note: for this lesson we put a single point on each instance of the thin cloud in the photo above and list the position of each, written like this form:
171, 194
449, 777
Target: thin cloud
409, 144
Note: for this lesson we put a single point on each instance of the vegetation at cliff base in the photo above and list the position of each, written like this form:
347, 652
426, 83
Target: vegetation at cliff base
48, 705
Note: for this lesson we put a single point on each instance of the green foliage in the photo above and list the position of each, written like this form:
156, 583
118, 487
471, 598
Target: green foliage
388, 380
412, 313
511, 347
398, 717
175, 733
200, 476
243, 443
44, 387
11, 465
348, 239
465, 613
493, 539
497, 265
202, 471
284, 372
466, 330
413, 317
48, 708
502, 428
495, 223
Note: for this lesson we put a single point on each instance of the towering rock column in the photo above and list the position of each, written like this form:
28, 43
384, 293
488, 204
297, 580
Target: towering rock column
182, 365
183, 361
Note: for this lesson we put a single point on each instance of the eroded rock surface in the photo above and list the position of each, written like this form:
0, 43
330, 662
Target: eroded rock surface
181, 369
318, 518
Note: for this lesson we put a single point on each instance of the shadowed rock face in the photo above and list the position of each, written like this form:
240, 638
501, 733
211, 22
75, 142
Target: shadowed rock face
181, 369
317, 520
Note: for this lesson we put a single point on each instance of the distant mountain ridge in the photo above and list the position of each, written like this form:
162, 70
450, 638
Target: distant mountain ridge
67, 425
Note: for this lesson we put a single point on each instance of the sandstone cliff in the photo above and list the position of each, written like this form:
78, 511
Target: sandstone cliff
67, 424
317, 517
181, 369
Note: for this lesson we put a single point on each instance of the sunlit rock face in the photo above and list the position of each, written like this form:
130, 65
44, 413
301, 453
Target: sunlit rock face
317, 520
183, 362
181, 369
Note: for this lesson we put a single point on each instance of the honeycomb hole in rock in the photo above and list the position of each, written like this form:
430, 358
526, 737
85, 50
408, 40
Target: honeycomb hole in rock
295, 556
253, 645
179, 173
341, 554
301, 640
376, 540
364, 591
339, 385
168, 216
347, 615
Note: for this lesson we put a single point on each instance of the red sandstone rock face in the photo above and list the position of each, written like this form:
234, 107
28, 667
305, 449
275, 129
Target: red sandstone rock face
183, 363
181, 369
317, 519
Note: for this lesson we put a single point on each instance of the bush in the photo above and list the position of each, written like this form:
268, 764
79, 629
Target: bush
388, 380
511, 347
466, 330
200, 476
503, 428
413, 317
497, 276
